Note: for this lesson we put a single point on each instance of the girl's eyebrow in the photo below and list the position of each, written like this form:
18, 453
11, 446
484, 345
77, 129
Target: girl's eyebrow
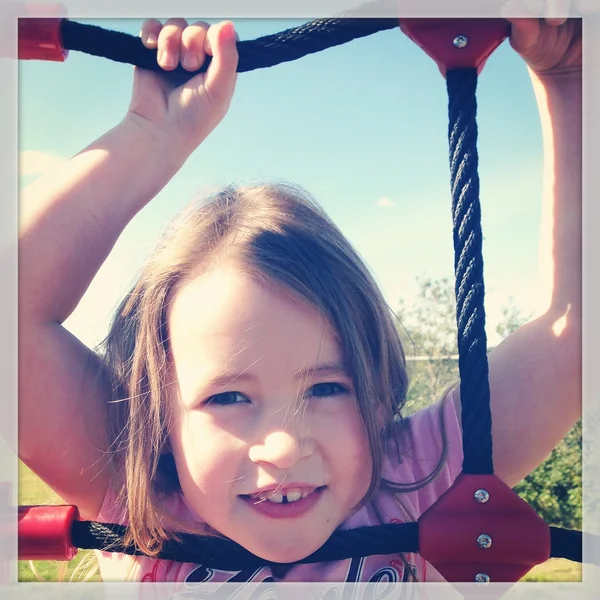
323, 369
226, 379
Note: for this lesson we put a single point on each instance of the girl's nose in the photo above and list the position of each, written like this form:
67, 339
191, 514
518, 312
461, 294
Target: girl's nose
282, 449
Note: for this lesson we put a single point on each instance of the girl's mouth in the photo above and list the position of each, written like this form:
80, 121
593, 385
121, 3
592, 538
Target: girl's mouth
293, 503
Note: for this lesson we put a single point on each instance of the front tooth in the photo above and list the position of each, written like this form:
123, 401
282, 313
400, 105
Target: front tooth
306, 493
278, 498
293, 495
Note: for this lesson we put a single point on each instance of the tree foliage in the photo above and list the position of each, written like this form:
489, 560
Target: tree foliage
554, 488
428, 331
429, 334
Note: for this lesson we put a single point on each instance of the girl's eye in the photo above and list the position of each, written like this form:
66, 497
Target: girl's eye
321, 390
227, 398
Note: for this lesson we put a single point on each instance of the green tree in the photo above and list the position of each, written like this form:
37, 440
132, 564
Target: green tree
554, 488
429, 334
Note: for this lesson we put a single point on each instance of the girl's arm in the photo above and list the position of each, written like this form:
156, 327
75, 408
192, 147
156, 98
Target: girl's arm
74, 220
70, 224
535, 374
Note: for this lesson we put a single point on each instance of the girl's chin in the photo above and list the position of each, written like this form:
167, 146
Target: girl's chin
273, 550
283, 555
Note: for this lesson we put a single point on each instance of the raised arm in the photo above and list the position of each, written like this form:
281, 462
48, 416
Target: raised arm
535, 374
70, 225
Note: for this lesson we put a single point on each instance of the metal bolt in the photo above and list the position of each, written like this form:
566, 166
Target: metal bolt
484, 541
460, 41
482, 578
482, 496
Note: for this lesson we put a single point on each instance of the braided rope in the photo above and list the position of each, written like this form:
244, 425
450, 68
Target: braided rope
262, 52
221, 553
476, 414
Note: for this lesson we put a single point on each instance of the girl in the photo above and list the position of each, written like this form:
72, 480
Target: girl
253, 378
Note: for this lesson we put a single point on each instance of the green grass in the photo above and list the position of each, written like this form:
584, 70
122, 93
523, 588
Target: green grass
555, 569
33, 491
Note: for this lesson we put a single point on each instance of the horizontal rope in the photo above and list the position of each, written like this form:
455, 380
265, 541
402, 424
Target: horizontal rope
221, 553
566, 543
267, 51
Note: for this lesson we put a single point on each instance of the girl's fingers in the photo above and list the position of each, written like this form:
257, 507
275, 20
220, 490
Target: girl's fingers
556, 11
169, 43
149, 33
221, 75
524, 33
192, 45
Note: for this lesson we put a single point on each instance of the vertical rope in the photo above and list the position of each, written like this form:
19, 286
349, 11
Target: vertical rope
476, 415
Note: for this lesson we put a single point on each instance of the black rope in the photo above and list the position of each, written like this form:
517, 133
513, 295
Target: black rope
476, 415
221, 553
566, 543
262, 52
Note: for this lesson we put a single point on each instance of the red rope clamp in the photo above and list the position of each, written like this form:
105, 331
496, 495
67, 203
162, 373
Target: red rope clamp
457, 43
480, 530
40, 39
45, 532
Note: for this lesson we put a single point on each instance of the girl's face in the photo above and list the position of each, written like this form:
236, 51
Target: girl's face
263, 407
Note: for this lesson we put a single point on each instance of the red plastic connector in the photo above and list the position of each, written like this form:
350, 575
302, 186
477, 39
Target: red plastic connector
480, 530
45, 532
457, 43
40, 39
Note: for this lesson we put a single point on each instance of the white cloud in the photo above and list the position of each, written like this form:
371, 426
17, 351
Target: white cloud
385, 202
34, 162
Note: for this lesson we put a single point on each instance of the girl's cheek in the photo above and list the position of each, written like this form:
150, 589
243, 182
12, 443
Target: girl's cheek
208, 443
341, 428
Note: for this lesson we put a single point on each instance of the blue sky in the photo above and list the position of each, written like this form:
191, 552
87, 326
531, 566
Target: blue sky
362, 126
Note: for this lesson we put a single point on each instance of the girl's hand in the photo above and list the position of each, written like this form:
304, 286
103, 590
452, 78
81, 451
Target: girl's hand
548, 45
189, 112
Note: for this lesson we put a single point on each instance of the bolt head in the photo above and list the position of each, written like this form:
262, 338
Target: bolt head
460, 41
482, 496
484, 541
482, 578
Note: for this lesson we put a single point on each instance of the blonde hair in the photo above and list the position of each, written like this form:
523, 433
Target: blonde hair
275, 231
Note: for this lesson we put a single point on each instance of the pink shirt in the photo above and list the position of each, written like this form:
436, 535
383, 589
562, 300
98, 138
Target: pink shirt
422, 446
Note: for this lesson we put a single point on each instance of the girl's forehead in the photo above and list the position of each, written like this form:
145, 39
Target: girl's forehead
226, 312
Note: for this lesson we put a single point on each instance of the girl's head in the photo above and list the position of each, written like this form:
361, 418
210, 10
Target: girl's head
257, 356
